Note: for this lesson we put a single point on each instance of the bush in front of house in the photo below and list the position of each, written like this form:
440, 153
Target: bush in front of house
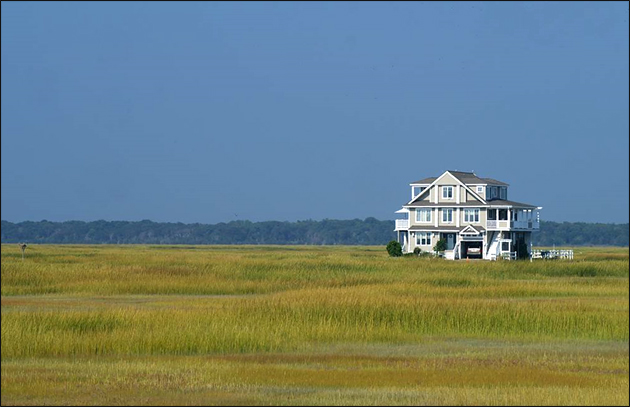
440, 246
394, 249
521, 249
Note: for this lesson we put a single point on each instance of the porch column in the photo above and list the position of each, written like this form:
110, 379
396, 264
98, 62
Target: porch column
457, 216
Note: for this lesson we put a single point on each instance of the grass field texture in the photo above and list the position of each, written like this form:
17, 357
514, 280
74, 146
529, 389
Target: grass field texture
310, 325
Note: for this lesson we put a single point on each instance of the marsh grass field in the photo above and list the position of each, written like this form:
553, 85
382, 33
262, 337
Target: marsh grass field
274, 325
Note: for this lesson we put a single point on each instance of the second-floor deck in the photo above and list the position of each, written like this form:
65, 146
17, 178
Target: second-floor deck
524, 225
532, 224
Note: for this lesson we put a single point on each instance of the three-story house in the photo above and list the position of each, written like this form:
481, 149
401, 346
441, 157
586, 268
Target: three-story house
472, 214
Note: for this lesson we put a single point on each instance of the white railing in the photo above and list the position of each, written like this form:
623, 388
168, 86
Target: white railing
526, 224
508, 255
402, 224
515, 224
521, 224
552, 254
497, 224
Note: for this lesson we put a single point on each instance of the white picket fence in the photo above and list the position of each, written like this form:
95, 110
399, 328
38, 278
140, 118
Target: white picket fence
552, 254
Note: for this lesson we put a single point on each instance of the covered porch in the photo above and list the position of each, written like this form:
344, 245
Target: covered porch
506, 218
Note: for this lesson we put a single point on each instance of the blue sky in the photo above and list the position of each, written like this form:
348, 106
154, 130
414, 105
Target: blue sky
210, 112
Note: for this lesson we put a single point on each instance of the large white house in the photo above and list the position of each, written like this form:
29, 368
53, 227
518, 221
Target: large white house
472, 214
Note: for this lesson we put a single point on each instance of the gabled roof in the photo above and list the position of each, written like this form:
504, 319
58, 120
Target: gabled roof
425, 180
494, 181
469, 204
467, 177
464, 177
473, 193
471, 230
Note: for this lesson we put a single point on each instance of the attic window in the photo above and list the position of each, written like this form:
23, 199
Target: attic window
447, 192
479, 189
418, 190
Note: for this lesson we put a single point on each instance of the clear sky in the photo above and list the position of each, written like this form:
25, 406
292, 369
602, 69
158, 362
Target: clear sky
211, 112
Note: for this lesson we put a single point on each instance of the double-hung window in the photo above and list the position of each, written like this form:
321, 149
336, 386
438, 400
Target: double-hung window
447, 215
494, 192
471, 215
447, 192
423, 215
423, 238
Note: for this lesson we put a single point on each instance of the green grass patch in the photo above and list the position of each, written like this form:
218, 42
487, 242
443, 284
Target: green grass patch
310, 325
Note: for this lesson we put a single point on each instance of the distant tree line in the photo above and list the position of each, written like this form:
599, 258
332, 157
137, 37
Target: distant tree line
325, 232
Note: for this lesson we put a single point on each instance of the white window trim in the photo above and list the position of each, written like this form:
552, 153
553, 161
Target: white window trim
426, 236
428, 210
436, 182
444, 212
413, 191
476, 211
444, 189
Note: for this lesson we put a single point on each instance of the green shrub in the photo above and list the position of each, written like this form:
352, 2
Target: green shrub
440, 246
521, 249
394, 249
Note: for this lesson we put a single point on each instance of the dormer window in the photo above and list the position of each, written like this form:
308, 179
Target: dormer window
503, 193
418, 190
492, 192
447, 192
479, 189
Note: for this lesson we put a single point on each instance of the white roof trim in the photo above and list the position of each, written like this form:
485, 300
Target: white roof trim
429, 187
439, 178
403, 210
467, 230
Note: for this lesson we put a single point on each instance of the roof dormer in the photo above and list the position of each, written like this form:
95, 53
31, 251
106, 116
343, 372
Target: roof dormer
416, 189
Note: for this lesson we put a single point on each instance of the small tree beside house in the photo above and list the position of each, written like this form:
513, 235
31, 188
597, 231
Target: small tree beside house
440, 246
394, 249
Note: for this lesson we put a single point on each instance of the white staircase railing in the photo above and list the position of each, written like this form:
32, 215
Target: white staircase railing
493, 249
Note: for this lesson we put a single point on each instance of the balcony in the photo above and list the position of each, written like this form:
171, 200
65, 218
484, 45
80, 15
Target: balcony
402, 224
515, 224
526, 224
497, 224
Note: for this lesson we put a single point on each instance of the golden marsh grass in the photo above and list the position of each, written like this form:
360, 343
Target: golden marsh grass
310, 325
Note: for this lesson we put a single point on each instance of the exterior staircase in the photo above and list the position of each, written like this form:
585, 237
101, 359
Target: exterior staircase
493, 248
